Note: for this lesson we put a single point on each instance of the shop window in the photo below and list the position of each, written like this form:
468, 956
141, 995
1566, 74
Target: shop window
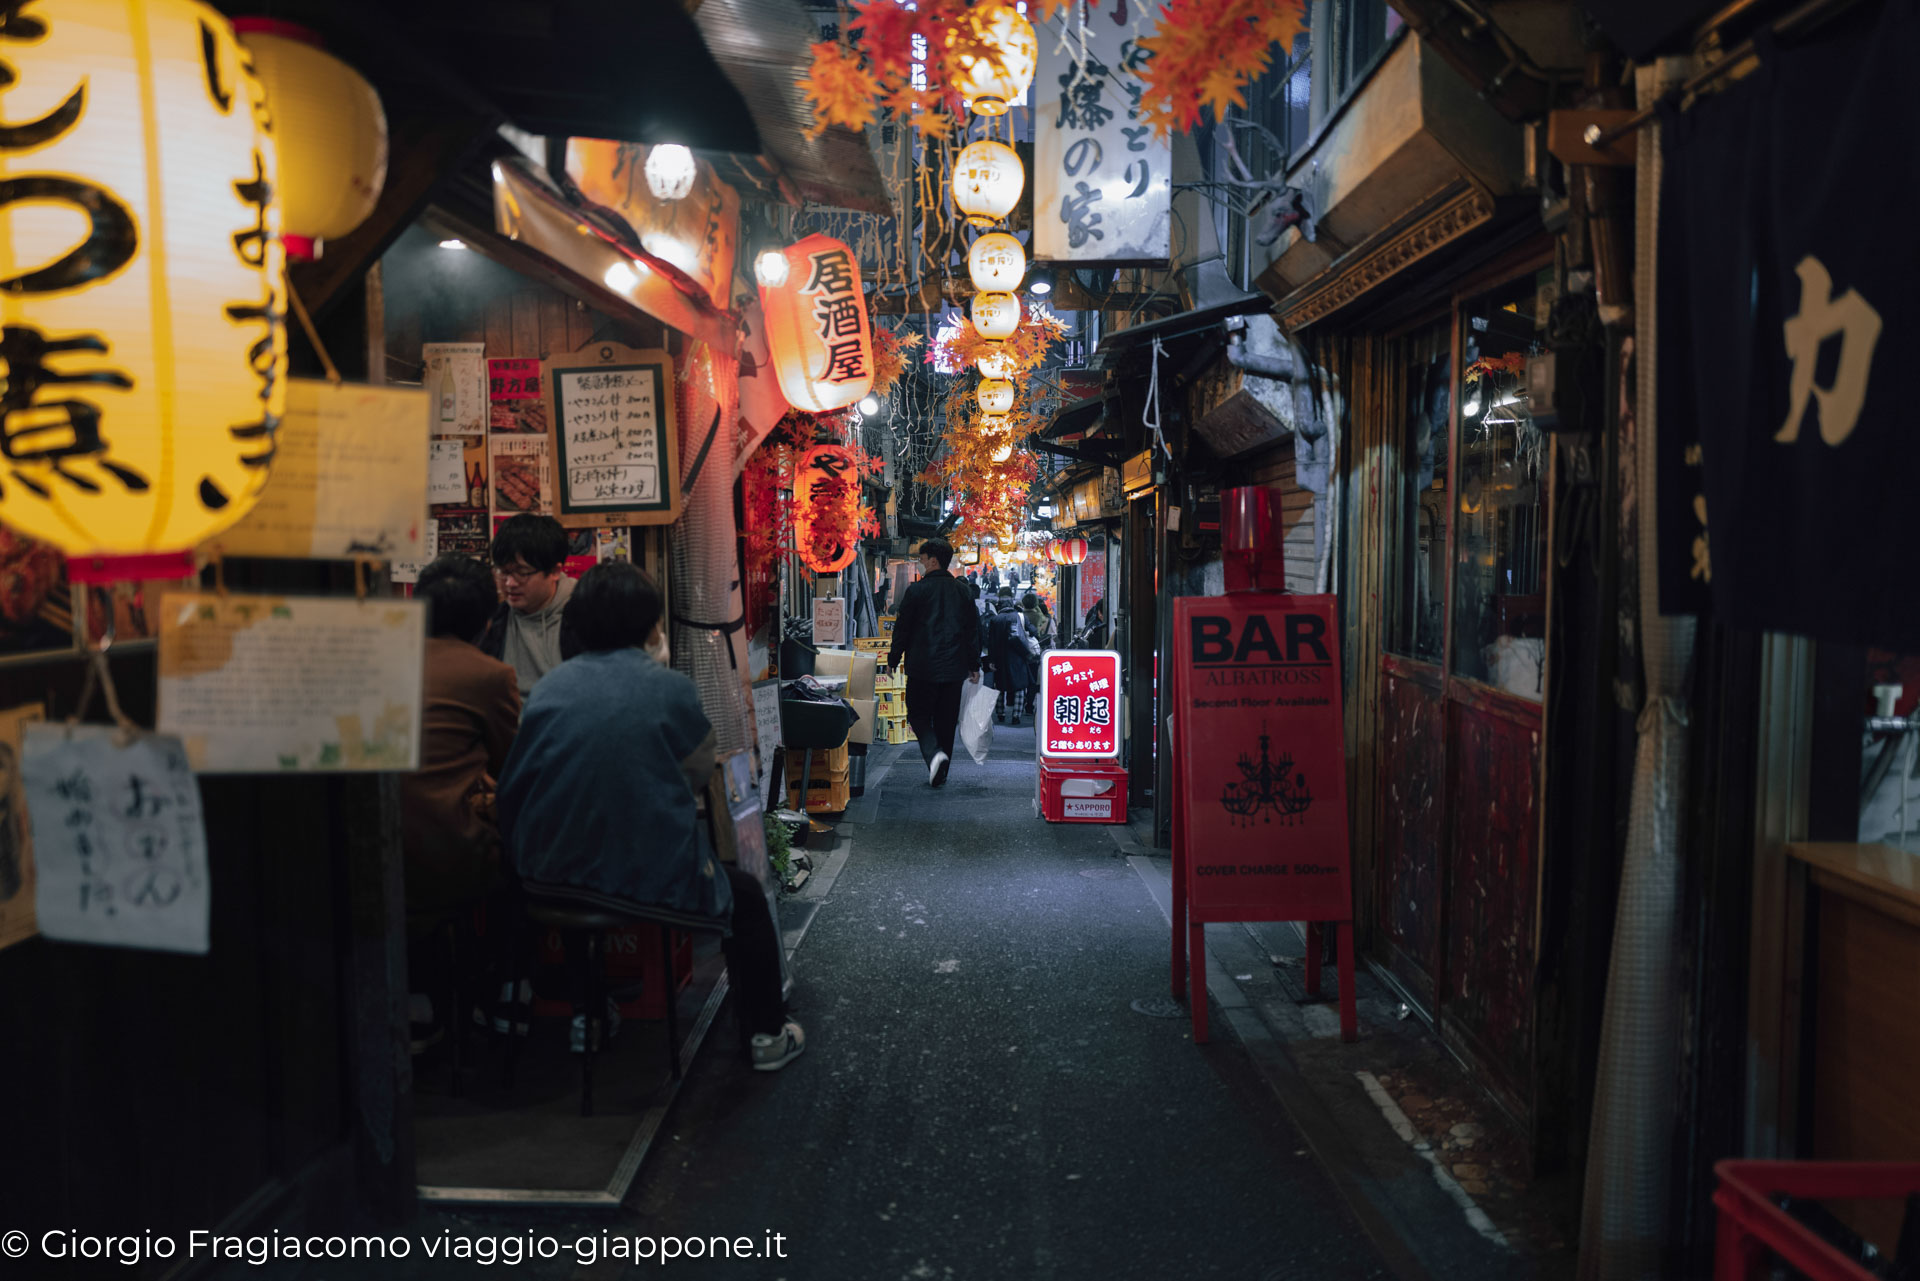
1500, 514
1417, 516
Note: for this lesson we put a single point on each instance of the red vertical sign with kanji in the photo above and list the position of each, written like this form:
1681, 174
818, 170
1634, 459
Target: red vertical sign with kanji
1260, 780
1079, 714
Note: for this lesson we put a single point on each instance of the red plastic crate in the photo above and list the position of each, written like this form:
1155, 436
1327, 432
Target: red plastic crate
1082, 791
632, 953
1751, 1227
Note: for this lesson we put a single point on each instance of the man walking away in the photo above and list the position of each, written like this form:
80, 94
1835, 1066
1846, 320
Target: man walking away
1011, 655
937, 631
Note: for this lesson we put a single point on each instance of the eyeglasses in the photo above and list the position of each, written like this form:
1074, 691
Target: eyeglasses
515, 573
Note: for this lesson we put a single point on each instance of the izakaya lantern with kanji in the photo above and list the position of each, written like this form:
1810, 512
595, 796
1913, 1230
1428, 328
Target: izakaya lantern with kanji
987, 180
826, 508
995, 362
330, 129
817, 326
141, 285
996, 316
996, 396
997, 76
996, 263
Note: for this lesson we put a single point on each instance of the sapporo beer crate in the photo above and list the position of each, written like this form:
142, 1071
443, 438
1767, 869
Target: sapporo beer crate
873, 644
898, 730
825, 794
827, 762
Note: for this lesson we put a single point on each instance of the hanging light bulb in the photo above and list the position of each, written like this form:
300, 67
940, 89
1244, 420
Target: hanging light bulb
993, 82
670, 171
997, 263
996, 396
996, 316
995, 362
771, 268
987, 181
870, 405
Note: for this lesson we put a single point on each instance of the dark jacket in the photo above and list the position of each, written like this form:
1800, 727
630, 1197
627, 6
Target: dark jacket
1007, 653
936, 630
470, 711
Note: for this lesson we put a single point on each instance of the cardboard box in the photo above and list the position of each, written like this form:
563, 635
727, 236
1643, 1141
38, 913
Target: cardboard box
859, 669
869, 709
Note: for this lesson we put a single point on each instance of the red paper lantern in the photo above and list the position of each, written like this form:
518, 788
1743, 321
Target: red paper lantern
826, 508
817, 328
1073, 551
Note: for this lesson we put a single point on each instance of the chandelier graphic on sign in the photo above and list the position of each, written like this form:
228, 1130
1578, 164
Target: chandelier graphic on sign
1266, 788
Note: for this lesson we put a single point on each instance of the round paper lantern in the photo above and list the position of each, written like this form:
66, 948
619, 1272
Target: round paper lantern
817, 325
987, 181
826, 508
670, 171
997, 263
995, 362
142, 284
996, 316
331, 133
995, 81
1004, 452
1073, 551
995, 396
995, 425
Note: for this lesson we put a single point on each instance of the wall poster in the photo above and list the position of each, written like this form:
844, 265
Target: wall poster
613, 436
456, 379
1102, 189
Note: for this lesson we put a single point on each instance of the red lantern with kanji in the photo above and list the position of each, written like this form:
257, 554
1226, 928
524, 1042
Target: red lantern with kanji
826, 508
1073, 551
817, 324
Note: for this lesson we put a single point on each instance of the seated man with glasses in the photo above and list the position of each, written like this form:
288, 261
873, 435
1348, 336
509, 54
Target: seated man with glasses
525, 631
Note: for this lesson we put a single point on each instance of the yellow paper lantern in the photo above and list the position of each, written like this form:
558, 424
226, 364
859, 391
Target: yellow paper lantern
330, 129
817, 326
1003, 453
996, 316
142, 286
993, 82
995, 362
997, 263
995, 396
995, 425
987, 181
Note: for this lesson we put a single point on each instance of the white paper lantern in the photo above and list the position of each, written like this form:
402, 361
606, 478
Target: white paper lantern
996, 396
670, 171
996, 316
142, 281
997, 263
991, 84
995, 362
987, 181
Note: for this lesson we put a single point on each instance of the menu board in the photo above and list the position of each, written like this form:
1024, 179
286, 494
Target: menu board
613, 437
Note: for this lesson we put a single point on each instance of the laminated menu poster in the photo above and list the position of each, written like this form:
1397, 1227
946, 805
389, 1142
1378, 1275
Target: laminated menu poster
522, 474
270, 684
16, 835
455, 377
613, 437
120, 845
516, 400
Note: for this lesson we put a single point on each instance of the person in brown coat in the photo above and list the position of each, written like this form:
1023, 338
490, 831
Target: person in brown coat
471, 712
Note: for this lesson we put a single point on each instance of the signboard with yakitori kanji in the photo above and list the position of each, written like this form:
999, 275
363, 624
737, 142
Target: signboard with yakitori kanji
1260, 796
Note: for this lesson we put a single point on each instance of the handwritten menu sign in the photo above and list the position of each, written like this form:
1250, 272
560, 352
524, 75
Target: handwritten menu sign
119, 844
613, 437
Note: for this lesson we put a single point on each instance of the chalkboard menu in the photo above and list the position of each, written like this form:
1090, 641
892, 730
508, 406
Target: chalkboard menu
613, 436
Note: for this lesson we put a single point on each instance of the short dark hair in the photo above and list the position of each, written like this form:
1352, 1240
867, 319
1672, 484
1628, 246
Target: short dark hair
540, 541
973, 587
460, 596
940, 549
1029, 601
615, 605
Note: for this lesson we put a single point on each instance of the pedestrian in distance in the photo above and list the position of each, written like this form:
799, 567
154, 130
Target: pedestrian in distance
936, 631
1012, 656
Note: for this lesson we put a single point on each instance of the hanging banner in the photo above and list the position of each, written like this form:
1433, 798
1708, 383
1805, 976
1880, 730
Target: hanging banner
1079, 703
1102, 189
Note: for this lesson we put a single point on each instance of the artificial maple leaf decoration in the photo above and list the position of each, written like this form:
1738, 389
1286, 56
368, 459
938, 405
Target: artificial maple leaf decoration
840, 87
1203, 54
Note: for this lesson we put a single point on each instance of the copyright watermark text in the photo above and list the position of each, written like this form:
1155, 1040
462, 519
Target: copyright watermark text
487, 1249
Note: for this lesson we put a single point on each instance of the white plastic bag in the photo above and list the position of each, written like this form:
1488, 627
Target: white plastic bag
977, 701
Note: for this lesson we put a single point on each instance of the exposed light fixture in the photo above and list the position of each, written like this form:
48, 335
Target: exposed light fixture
1044, 511
771, 268
621, 277
869, 406
453, 244
1040, 286
670, 171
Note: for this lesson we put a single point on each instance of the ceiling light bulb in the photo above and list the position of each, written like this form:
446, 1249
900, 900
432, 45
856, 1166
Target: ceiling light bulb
453, 244
771, 268
670, 171
1039, 287
621, 277
869, 406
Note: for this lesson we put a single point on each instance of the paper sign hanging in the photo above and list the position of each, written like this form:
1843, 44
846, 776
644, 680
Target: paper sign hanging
456, 378
16, 836
613, 437
516, 395
119, 843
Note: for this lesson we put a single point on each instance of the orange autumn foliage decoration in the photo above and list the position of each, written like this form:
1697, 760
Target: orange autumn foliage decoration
1206, 52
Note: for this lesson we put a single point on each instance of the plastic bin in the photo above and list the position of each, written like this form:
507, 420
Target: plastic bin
1752, 1226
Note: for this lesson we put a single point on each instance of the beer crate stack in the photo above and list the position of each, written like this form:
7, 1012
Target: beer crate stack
828, 785
890, 690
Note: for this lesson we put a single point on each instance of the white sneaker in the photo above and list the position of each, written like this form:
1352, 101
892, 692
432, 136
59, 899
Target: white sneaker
937, 769
771, 1053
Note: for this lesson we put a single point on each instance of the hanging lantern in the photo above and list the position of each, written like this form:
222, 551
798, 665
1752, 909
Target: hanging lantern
1004, 452
995, 425
995, 363
670, 171
995, 396
1073, 551
996, 316
144, 294
997, 263
826, 508
330, 130
994, 81
987, 181
817, 325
